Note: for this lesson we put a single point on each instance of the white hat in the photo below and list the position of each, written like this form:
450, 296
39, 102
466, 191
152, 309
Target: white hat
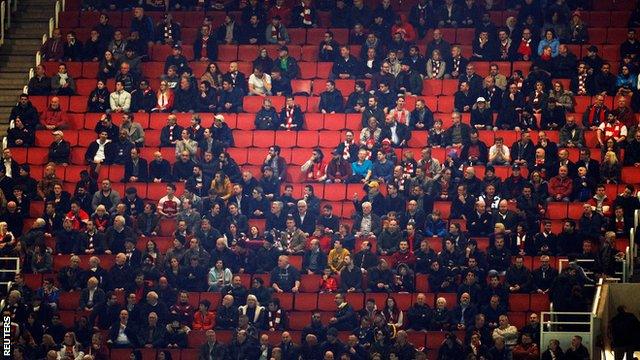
481, 99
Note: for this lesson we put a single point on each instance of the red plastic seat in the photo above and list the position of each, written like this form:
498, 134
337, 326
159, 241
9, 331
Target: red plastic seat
301, 87
540, 302
299, 319
557, 210
324, 69
69, 300
444, 207
37, 156
264, 138
309, 53
297, 36
435, 339
334, 121
286, 300
307, 139
285, 139
310, 284
246, 52
228, 53
417, 338
306, 302
346, 87
519, 302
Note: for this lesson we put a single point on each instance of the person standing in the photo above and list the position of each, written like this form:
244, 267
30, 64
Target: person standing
625, 329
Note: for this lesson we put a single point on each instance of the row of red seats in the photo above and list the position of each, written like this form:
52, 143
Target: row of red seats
310, 301
309, 105
616, 17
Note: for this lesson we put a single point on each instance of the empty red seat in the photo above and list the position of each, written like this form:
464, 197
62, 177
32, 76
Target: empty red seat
306, 302
519, 302
346, 87
334, 121
308, 54
286, 300
299, 319
324, 69
307, 139
37, 156
301, 87
539, 302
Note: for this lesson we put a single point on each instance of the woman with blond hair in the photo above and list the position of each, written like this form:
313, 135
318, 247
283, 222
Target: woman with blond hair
253, 311
436, 66
164, 98
610, 168
70, 349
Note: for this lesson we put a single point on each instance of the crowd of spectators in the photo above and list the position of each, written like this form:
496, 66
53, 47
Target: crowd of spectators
395, 228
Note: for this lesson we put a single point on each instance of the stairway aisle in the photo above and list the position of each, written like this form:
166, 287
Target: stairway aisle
17, 54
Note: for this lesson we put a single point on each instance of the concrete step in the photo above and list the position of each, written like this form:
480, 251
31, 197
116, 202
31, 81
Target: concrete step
36, 42
20, 59
30, 33
7, 96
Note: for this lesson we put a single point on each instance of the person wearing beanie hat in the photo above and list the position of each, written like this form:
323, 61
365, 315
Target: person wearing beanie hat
481, 116
593, 60
221, 132
276, 33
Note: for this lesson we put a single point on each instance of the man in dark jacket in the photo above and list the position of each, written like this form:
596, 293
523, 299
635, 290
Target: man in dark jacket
123, 333
59, 149
266, 118
227, 314
344, 318
419, 314
26, 112
350, 276
346, 66
458, 134
212, 349
331, 101
230, 98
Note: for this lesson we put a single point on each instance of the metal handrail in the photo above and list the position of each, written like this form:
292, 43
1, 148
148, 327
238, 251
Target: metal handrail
3, 10
57, 13
10, 3
632, 249
623, 273
5, 269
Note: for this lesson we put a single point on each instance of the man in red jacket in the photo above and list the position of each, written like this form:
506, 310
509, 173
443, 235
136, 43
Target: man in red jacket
560, 187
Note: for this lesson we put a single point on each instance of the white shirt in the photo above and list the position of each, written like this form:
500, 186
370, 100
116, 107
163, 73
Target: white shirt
259, 84
99, 156
7, 167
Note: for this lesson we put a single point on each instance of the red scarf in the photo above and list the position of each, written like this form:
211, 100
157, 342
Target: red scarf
345, 152
407, 168
306, 15
275, 32
596, 115
289, 118
525, 48
400, 116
